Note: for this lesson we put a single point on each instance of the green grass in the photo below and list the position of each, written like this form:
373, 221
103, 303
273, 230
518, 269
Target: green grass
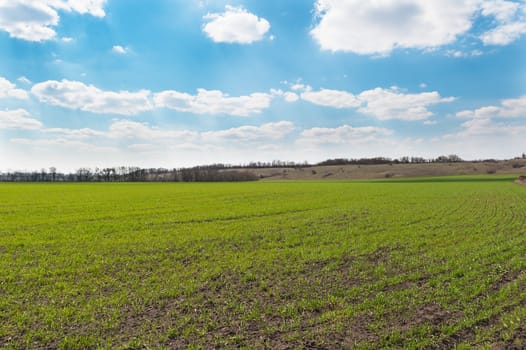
395, 264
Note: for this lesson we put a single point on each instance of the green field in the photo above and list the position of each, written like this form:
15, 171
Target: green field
408, 264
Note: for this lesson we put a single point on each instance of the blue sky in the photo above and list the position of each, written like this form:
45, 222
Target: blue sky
170, 83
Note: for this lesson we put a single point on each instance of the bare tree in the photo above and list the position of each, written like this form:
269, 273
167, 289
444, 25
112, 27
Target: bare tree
53, 172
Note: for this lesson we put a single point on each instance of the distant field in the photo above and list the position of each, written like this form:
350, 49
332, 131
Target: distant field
320, 265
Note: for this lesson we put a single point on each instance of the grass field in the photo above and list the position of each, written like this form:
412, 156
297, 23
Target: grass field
403, 264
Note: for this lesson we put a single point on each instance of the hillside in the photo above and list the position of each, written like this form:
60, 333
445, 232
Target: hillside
356, 172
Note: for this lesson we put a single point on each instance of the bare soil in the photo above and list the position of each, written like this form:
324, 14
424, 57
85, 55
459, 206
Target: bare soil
521, 180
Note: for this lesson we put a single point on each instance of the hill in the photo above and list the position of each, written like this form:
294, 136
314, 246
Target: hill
374, 171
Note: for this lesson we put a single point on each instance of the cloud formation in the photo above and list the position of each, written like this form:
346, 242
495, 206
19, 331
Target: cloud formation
235, 25
121, 50
80, 96
510, 19
77, 95
9, 90
18, 119
379, 27
265, 132
508, 108
345, 134
331, 98
127, 129
383, 104
34, 20
504, 34
213, 102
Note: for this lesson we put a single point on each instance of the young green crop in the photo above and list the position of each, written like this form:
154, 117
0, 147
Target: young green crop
404, 264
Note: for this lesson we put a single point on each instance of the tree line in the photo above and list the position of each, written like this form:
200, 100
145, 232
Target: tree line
218, 172
131, 174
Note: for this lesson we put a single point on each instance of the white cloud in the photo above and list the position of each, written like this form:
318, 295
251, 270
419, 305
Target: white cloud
120, 49
34, 20
502, 10
290, 96
462, 54
378, 27
331, 98
300, 87
9, 90
83, 133
504, 34
127, 129
287, 95
235, 25
18, 119
344, 134
510, 20
383, 104
77, 95
509, 108
265, 132
213, 102
24, 80
91, 7
488, 128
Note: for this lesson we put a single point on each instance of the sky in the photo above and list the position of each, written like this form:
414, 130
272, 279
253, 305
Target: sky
173, 83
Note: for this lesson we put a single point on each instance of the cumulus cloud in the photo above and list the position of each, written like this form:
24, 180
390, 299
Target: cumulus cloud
290, 96
18, 119
34, 20
80, 96
378, 27
504, 34
488, 128
508, 108
91, 7
77, 95
9, 90
127, 129
383, 104
265, 132
235, 25
331, 98
500, 9
213, 102
510, 19
345, 134
128, 138
491, 125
